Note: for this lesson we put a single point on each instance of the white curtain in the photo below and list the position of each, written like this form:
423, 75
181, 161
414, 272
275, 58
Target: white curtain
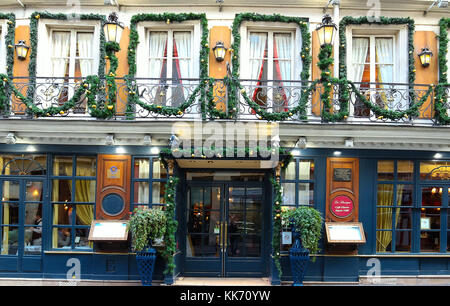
156, 188
60, 53
359, 54
257, 46
85, 51
385, 54
283, 47
158, 44
182, 44
144, 172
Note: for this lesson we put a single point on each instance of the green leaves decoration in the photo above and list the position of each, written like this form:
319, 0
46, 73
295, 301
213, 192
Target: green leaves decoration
146, 225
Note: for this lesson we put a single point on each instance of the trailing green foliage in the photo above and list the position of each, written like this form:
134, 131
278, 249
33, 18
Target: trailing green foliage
308, 223
146, 225
276, 224
171, 225
441, 95
9, 47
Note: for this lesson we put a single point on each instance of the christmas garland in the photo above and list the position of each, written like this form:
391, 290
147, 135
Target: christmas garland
171, 227
133, 98
440, 109
232, 97
9, 43
277, 224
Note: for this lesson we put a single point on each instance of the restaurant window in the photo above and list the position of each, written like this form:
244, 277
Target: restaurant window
434, 206
73, 200
149, 181
297, 184
394, 209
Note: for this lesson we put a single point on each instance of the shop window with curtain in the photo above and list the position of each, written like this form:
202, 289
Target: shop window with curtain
271, 67
394, 209
149, 182
73, 199
170, 65
297, 184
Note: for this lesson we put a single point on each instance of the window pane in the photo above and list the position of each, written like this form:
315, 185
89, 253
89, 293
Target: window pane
306, 170
306, 193
62, 214
62, 191
405, 170
404, 195
158, 192
403, 241
288, 193
159, 171
403, 218
85, 191
282, 56
86, 166
60, 53
182, 42
385, 195
33, 240
384, 239
432, 170
10, 238
141, 190
385, 170
62, 237
85, 214
33, 214
11, 191
62, 166
432, 196
10, 213
157, 54
429, 241
141, 168
33, 191
289, 172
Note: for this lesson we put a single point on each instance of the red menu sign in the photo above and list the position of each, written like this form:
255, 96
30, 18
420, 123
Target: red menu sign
341, 206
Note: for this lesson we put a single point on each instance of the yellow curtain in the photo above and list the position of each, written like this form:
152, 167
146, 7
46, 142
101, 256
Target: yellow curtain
5, 195
385, 197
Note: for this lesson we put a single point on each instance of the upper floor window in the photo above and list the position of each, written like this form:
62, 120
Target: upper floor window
270, 61
72, 53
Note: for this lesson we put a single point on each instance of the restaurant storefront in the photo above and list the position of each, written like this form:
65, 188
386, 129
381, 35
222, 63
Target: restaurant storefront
224, 213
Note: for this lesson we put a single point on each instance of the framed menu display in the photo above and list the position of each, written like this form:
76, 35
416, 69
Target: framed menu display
345, 232
107, 230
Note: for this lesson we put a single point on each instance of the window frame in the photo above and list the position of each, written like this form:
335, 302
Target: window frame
45, 29
298, 181
142, 51
150, 180
73, 178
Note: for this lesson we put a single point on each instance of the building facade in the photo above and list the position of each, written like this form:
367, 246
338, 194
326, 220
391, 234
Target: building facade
92, 128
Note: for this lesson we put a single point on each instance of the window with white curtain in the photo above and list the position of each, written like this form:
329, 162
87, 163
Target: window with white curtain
72, 53
271, 66
170, 62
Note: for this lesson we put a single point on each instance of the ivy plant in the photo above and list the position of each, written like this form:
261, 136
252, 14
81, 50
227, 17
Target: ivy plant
146, 225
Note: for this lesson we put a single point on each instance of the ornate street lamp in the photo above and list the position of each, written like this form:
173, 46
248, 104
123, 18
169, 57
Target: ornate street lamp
113, 28
219, 51
22, 50
326, 31
425, 57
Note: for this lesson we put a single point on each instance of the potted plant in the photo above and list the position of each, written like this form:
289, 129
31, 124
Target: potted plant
306, 223
146, 225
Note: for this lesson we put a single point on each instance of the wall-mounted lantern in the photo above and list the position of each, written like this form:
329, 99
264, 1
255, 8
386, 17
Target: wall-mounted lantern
326, 31
425, 57
113, 28
219, 51
22, 50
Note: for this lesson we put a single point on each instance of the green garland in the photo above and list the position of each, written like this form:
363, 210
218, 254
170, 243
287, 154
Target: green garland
9, 44
277, 224
133, 98
171, 227
232, 97
440, 109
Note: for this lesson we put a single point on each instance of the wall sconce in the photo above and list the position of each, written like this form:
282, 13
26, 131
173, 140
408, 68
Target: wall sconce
219, 51
326, 30
22, 50
113, 28
425, 56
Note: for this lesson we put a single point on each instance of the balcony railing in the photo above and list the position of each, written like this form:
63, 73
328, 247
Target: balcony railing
301, 101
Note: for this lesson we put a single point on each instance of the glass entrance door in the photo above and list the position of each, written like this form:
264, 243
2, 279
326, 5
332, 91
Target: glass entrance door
21, 224
224, 229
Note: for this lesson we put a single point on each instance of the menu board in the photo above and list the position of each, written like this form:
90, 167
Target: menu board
104, 230
345, 232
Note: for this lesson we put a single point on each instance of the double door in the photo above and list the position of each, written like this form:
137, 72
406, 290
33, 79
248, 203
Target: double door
21, 226
225, 229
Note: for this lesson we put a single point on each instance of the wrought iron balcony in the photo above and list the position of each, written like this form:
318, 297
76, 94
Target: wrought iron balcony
293, 100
